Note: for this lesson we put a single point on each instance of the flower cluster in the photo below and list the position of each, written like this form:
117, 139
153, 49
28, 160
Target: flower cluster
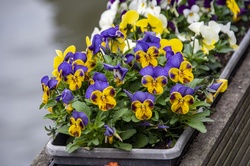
144, 75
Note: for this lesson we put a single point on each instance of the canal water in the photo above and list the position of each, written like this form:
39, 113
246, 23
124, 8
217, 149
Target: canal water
30, 31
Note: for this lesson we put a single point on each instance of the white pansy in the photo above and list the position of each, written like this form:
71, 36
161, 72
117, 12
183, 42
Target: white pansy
231, 36
192, 14
210, 33
196, 46
196, 27
108, 16
107, 19
164, 20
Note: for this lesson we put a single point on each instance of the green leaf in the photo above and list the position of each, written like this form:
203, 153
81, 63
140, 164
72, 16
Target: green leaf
153, 139
128, 133
72, 147
64, 129
174, 120
123, 146
134, 119
119, 114
51, 116
82, 107
225, 50
141, 140
41, 106
95, 141
198, 104
203, 67
198, 125
195, 82
107, 58
51, 103
202, 114
161, 101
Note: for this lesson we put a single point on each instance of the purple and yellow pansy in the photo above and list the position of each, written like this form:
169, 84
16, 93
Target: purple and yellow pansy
78, 121
215, 88
181, 97
178, 69
142, 104
47, 85
102, 94
119, 73
154, 79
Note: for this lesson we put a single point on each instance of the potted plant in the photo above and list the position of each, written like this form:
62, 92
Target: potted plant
144, 82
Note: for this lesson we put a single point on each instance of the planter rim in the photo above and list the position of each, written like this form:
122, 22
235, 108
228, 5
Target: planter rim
117, 153
149, 154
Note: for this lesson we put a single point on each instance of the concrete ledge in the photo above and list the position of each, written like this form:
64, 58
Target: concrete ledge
206, 148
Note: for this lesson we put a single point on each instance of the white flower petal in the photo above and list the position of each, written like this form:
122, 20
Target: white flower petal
195, 9
196, 27
215, 26
186, 12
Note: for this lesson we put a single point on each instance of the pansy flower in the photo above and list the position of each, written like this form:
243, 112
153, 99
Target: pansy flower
101, 94
147, 58
63, 70
110, 133
175, 44
215, 88
192, 14
128, 22
233, 6
178, 69
151, 23
119, 72
83, 59
142, 104
181, 98
147, 41
114, 39
60, 58
154, 79
78, 121
47, 86
67, 97
76, 78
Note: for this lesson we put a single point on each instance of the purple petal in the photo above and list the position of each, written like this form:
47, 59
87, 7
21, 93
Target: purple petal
96, 86
207, 3
45, 80
108, 67
140, 45
68, 56
215, 86
221, 2
109, 131
65, 67
130, 95
96, 43
169, 52
80, 55
67, 96
148, 70
52, 83
159, 71
182, 89
129, 58
82, 116
99, 77
80, 67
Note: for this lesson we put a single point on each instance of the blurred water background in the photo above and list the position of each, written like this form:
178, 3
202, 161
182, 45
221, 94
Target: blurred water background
30, 31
